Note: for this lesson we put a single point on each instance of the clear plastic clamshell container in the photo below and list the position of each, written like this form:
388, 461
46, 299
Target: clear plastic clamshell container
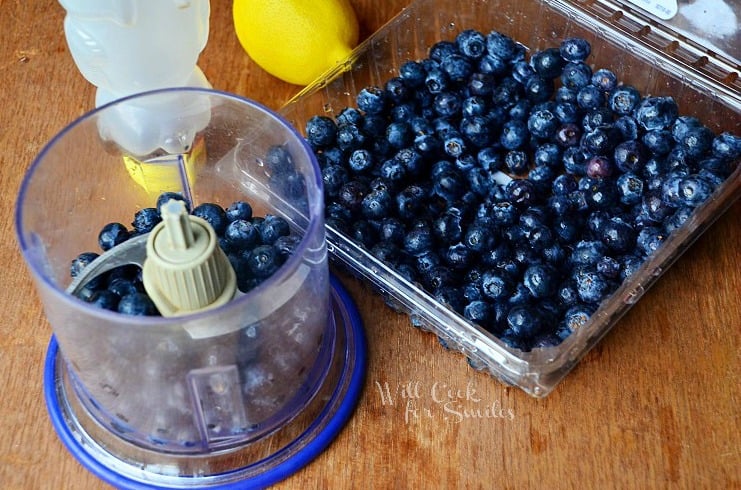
643, 52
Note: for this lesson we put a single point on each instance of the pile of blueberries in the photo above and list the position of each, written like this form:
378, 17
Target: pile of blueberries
519, 190
256, 247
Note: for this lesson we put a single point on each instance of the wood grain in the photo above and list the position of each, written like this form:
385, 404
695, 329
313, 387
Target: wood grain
655, 405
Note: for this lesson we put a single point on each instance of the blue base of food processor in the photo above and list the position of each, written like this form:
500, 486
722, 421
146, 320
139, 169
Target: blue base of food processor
286, 460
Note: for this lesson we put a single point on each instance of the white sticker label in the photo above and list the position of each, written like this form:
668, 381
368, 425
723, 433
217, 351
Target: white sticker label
663, 9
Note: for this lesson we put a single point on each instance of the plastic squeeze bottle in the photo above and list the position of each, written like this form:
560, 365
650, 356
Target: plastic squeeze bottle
124, 47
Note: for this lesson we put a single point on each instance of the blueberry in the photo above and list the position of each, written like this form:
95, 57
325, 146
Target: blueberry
587, 252
166, 196
138, 304
412, 73
350, 137
522, 71
360, 161
242, 234
514, 134
719, 167
495, 285
349, 115
600, 141
441, 50
658, 141
112, 234
598, 118
490, 159
506, 93
80, 262
681, 125
263, 260
286, 245
525, 322
480, 84
630, 156
372, 100
542, 177
627, 126
694, 190
334, 177
491, 64
547, 63
397, 90
540, 280
547, 154
418, 241
376, 204
618, 236
656, 112
409, 202
565, 95
273, 227
574, 161
590, 285
398, 134
392, 230
654, 207
471, 43
479, 238
450, 296
501, 45
321, 131
459, 257
590, 97
605, 80
577, 317
436, 81
374, 126
670, 193
453, 145
411, 160
567, 112
609, 267
450, 185
726, 146
121, 287
649, 239
564, 184
351, 194
630, 187
279, 160
575, 49
145, 220
576, 75
624, 99
447, 227
476, 130
568, 135
678, 219
214, 215
458, 68
478, 311
521, 192
599, 167
542, 124
104, 299
697, 141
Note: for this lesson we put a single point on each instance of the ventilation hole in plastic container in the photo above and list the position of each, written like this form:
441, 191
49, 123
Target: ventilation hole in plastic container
633, 296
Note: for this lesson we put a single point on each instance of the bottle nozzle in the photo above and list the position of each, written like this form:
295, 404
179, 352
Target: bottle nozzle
186, 270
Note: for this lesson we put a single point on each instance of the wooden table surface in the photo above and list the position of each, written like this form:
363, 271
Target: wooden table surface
655, 405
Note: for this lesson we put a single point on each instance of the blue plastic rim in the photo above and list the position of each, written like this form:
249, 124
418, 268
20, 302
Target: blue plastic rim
307, 446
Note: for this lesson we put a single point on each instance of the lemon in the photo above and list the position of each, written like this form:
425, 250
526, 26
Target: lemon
296, 40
